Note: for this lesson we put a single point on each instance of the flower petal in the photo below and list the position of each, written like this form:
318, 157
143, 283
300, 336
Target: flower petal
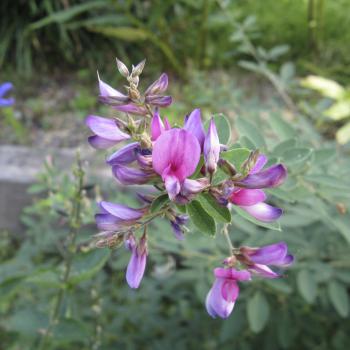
260, 163
271, 177
157, 126
273, 254
230, 290
263, 271
193, 124
131, 108
231, 273
178, 151
136, 268
263, 212
100, 143
178, 232
211, 149
159, 86
108, 222
107, 91
105, 128
121, 211
125, 155
130, 176
247, 197
172, 186
158, 100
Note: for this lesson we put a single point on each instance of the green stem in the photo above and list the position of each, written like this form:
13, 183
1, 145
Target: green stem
75, 224
228, 239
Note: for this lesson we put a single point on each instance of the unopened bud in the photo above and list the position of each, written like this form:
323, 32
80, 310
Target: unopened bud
145, 141
227, 167
136, 71
133, 93
248, 165
122, 68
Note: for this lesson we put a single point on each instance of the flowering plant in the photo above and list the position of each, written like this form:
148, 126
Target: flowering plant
189, 172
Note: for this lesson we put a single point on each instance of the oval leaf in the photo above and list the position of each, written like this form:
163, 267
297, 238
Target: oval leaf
159, 202
258, 312
307, 285
339, 298
200, 218
217, 211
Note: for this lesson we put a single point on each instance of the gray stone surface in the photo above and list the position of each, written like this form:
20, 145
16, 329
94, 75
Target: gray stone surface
19, 168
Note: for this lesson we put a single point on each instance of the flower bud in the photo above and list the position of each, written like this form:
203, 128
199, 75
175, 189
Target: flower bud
122, 68
211, 148
136, 71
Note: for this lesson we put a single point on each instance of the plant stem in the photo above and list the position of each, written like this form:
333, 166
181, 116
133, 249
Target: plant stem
75, 224
228, 239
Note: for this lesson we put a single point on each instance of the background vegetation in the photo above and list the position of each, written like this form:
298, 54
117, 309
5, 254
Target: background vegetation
241, 58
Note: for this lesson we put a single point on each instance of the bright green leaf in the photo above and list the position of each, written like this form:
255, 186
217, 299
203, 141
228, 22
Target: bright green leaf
159, 202
200, 218
217, 211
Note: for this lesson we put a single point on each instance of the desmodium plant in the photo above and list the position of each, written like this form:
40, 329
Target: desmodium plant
188, 172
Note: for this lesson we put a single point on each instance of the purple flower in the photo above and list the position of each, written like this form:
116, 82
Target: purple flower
137, 263
249, 196
193, 124
177, 224
224, 292
4, 89
160, 101
131, 176
107, 91
258, 259
175, 156
125, 155
190, 188
115, 216
157, 126
107, 133
132, 109
159, 86
211, 148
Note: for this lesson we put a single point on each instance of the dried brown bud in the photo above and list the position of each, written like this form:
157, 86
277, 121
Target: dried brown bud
123, 69
227, 167
136, 71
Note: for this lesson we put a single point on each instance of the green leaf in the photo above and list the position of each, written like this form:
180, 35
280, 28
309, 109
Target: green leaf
296, 155
236, 156
45, 278
181, 208
282, 129
258, 312
217, 211
272, 226
282, 147
328, 180
159, 202
223, 127
307, 285
124, 33
69, 330
201, 219
86, 265
324, 156
339, 298
248, 129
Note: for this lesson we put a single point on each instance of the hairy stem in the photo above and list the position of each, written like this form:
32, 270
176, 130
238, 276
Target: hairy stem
75, 224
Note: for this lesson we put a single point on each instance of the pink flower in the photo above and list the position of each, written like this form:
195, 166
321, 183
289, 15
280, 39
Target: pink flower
249, 196
175, 156
211, 148
224, 292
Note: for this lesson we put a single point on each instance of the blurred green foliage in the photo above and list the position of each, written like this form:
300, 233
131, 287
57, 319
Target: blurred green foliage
173, 34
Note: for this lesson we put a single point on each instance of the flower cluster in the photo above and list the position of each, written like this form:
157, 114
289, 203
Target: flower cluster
181, 164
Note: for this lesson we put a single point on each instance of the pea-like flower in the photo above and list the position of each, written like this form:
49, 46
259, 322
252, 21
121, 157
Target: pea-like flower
4, 89
137, 264
258, 259
224, 292
247, 193
175, 155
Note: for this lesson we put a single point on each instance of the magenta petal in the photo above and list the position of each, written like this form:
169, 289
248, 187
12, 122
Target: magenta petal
167, 124
247, 197
263, 212
100, 143
287, 261
125, 155
231, 273
230, 290
273, 254
178, 151
215, 303
157, 126
271, 177
260, 163
194, 125
105, 128
136, 268
121, 211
